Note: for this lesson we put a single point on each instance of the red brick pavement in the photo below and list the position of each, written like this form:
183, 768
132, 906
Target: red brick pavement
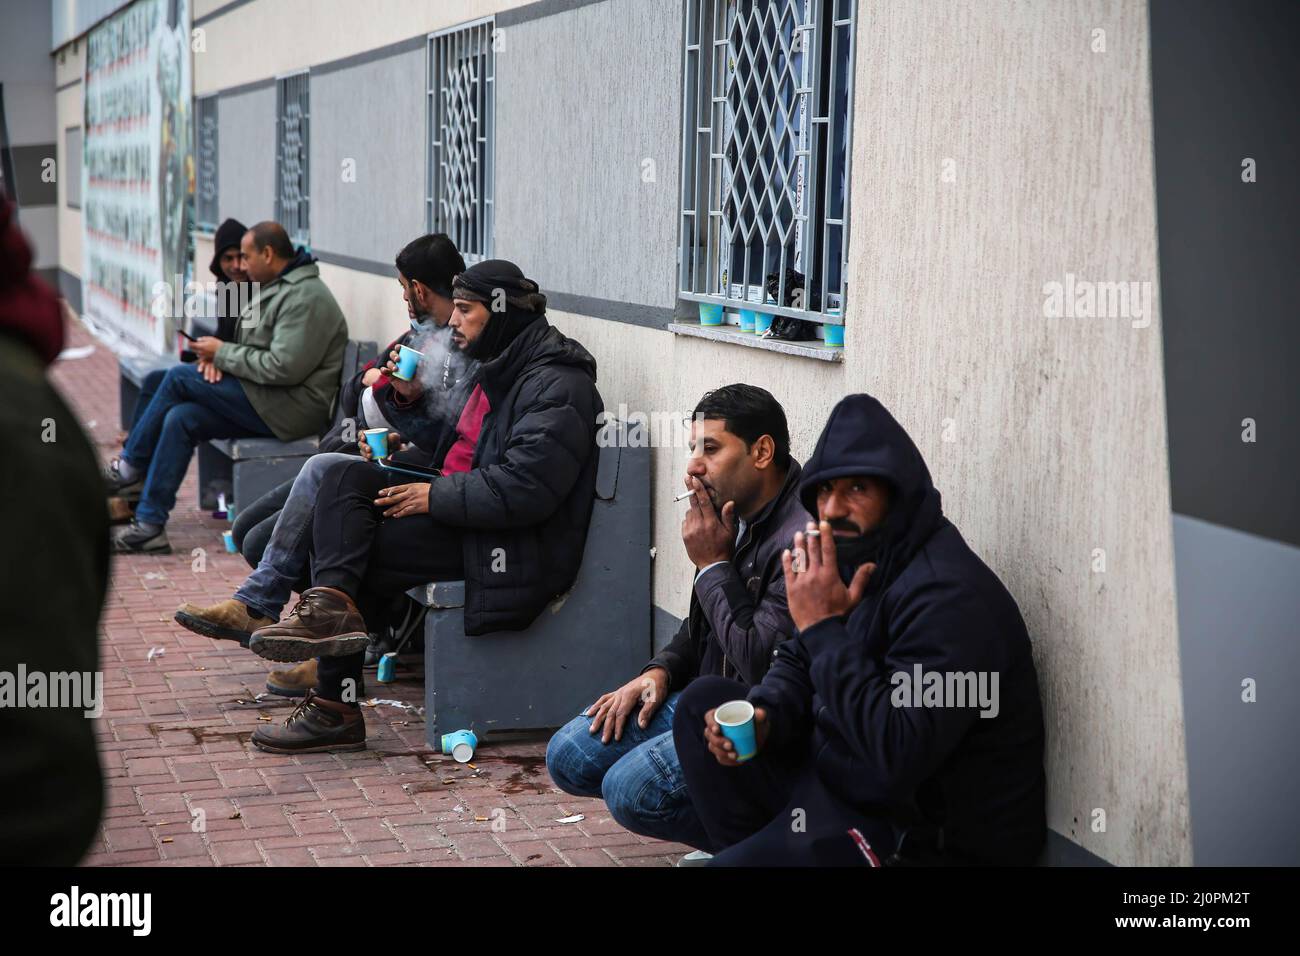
179, 710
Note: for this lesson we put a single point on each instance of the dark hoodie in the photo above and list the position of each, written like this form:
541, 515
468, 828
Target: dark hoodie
931, 602
528, 497
228, 236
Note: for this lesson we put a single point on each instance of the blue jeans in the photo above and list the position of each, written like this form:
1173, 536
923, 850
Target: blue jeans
148, 385
184, 411
639, 777
284, 562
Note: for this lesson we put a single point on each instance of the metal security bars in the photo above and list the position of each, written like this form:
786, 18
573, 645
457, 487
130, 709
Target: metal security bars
462, 122
292, 140
767, 107
205, 162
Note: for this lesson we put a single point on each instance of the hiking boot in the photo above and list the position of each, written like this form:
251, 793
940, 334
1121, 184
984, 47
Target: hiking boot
228, 620
324, 623
119, 511
139, 538
314, 725
296, 681
119, 484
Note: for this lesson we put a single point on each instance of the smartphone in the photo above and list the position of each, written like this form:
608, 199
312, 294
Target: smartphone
407, 468
188, 337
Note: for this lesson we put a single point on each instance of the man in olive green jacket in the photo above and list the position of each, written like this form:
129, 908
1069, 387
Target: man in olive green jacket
279, 378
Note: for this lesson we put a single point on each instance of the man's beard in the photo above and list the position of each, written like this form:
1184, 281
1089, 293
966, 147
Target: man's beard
853, 553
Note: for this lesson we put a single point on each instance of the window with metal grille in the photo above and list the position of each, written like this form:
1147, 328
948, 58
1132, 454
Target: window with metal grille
292, 139
461, 99
205, 162
767, 104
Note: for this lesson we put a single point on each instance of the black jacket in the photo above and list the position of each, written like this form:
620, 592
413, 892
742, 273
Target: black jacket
738, 610
931, 602
526, 503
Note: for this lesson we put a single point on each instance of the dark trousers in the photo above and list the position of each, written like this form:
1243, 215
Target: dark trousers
253, 525
371, 558
773, 810
184, 411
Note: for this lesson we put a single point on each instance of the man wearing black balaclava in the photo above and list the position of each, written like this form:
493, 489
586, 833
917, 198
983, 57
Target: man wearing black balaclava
513, 527
902, 724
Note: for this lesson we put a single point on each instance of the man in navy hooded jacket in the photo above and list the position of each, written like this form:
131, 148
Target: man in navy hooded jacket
902, 723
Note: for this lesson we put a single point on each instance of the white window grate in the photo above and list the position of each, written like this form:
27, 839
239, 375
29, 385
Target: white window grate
767, 104
205, 162
293, 140
462, 113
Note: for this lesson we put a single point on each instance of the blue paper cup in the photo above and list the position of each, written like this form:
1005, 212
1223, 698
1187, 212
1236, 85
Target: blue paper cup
834, 335
377, 439
407, 360
387, 668
762, 322
229, 538
736, 719
710, 313
460, 745
748, 317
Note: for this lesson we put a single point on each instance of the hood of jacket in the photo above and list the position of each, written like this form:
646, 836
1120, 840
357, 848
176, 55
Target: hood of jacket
862, 438
228, 235
539, 344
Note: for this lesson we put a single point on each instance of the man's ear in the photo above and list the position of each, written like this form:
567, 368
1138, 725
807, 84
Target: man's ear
764, 451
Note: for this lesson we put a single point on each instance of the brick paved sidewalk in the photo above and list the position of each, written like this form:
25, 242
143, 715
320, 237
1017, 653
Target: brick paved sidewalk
179, 710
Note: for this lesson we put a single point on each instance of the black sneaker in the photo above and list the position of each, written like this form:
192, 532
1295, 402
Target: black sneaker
136, 538
128, 489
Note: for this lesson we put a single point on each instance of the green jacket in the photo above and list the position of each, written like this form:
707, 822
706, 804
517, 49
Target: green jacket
288, 353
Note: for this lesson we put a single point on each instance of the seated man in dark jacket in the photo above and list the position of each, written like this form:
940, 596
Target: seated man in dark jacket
514, 526
426, 268
902, 723
743, 511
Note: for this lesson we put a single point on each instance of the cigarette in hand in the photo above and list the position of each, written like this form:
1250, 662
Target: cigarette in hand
684, 494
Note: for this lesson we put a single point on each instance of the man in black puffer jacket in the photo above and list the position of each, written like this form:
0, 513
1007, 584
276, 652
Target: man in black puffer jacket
902, 723
514, 526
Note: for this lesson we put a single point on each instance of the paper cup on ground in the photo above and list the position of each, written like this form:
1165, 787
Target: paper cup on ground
229, 538
710, 313
736, 718
460, 745
377, 439
407, 360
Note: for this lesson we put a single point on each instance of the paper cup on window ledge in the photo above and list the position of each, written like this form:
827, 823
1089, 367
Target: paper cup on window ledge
748, 318
834, 335
710, 313
762, 322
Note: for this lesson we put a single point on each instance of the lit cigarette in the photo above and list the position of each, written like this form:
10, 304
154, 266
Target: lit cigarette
812, 534
684, 494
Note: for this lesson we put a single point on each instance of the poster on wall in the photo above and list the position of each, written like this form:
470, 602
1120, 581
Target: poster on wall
137, 174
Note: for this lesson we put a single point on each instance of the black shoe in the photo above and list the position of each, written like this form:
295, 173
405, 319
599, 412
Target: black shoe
315, 725
128, 489
136, 538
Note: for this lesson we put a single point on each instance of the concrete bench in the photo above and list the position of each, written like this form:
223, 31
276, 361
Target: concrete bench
244, 469
591, 639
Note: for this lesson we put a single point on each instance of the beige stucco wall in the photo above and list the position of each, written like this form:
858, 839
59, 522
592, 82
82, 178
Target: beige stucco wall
69, 65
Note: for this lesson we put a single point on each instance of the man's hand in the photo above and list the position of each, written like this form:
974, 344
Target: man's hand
395, 444
409, 391
723, 750
709, 537
610, 713
370, 376
206, 347
813, 588
209, 371
402, 500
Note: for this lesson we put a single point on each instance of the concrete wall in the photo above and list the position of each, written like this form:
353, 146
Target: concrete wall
246, 156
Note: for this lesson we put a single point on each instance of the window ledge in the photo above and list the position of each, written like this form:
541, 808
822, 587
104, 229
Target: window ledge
723, 333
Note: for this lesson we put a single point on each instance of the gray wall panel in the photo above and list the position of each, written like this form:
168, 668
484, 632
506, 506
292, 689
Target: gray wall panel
571, 205
373, 114
246, 156
1237, 611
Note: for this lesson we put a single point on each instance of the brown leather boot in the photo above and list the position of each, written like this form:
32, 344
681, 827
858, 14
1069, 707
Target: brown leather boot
226, 620
324, 623
315, 725
296, 681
